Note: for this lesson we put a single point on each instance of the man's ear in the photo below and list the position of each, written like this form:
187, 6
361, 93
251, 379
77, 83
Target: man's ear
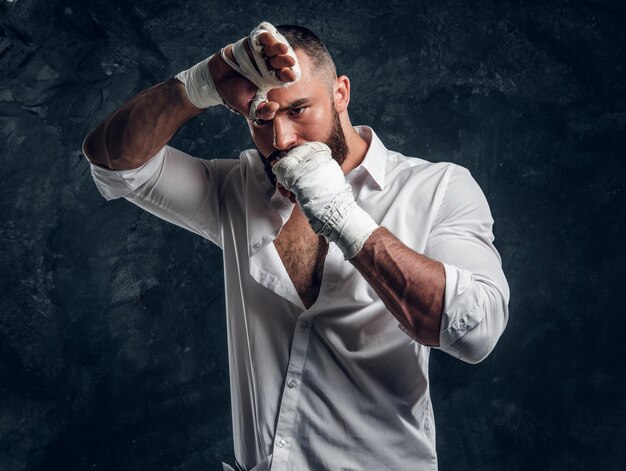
341, 93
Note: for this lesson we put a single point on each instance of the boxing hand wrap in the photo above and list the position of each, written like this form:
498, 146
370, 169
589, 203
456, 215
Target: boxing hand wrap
199, 85
259, 73
316, 179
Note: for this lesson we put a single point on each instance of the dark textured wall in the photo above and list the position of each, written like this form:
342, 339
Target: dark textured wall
112, 332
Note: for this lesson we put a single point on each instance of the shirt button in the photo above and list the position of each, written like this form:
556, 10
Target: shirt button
256, 245
282, 443
292, 383
304, 324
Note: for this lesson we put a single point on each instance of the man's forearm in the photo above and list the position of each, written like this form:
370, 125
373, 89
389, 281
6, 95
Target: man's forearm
133, 133
411, 285
130, 135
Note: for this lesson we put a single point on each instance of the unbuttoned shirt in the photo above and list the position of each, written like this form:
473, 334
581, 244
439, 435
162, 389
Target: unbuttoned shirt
337, 386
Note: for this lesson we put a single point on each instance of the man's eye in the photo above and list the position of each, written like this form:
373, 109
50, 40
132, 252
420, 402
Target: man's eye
297, 111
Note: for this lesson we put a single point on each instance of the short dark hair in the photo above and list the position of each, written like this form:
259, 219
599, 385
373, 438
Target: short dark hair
303, 38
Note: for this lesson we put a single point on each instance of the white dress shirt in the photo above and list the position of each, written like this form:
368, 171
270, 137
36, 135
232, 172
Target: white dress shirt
337, 386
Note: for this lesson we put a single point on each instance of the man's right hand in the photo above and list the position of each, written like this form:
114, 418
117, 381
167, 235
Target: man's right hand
237, 91
130, 135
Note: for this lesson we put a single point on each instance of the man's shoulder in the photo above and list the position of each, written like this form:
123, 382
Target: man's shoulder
402, 167
411, 171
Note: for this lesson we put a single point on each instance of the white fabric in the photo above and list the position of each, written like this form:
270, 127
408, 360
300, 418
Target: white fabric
338, 385
259, 72
199, 85
316, 179
264, 465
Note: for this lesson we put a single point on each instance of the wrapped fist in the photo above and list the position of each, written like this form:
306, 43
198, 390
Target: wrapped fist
317, 181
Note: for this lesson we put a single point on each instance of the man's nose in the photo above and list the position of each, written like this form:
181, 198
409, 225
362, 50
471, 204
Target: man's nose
284, 135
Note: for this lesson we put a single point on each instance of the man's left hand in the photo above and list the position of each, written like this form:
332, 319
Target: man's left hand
317, 181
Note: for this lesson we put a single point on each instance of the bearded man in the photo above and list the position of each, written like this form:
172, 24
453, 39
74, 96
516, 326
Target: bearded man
344, 262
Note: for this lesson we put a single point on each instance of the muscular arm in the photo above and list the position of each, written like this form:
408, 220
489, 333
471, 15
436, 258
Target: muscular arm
455, 296
133, 133
410, 284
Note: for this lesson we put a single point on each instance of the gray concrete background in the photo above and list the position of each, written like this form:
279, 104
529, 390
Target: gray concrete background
112, 332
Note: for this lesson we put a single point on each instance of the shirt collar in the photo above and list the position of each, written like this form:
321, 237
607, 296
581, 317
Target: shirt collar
375, 159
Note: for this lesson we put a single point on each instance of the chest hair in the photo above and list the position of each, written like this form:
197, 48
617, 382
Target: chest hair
303, 253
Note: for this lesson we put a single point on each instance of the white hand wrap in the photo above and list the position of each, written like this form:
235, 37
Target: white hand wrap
316, 179
199, 85
263, 76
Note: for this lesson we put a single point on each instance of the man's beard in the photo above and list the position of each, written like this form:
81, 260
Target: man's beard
336, 141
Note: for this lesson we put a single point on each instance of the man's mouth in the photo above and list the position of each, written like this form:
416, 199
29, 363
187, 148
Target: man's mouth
270, 161
275, 157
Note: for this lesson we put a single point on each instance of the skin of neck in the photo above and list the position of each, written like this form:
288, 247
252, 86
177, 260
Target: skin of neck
357, 146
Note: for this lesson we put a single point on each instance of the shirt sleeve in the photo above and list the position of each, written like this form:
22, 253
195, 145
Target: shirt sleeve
175, 187
477, 294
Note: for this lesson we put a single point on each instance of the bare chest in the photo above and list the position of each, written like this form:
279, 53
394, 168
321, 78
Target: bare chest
303, 253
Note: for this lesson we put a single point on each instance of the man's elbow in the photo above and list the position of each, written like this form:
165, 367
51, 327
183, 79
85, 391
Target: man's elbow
93, 148
479, 342
476, 352
88, 148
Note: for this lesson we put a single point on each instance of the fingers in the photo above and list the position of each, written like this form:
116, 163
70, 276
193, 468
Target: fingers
267, 110
272, 47
286, 193
279, 60
275, 49
237, 89
286, 75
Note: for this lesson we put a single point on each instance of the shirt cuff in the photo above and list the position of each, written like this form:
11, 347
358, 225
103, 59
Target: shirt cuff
461, 311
